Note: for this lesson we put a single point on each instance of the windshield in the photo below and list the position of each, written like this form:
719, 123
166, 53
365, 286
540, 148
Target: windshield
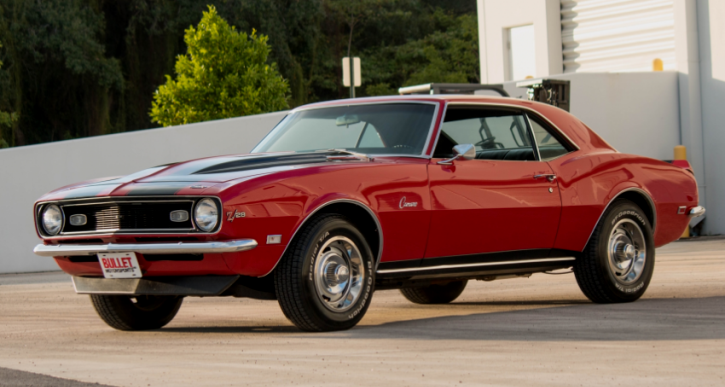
396, 128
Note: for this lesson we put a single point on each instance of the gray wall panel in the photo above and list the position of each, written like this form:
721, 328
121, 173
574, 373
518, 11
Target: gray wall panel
28, 172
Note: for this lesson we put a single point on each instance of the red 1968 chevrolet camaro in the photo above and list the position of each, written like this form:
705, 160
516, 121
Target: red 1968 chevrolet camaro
342, 198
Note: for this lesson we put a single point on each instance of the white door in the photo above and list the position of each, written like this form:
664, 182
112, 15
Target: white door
521, 53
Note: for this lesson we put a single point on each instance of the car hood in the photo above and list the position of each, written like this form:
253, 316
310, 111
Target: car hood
225, 168
171, 178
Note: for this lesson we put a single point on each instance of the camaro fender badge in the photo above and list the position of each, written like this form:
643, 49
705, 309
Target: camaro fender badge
404, 204
234, 215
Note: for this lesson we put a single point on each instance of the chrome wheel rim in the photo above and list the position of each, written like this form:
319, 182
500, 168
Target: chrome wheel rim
339, 273
627, 251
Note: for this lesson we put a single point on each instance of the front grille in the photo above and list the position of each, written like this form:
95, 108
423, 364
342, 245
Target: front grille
128, 216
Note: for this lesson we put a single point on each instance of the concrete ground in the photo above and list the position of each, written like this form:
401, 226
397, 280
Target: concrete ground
536, 331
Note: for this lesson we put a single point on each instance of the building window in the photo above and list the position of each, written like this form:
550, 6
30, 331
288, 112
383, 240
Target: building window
521, 53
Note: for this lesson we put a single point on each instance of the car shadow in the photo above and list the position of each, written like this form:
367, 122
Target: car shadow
235, 329
525, 303
644, 320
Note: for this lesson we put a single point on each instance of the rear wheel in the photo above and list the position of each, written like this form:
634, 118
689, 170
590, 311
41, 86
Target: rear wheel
435, 294
136, 313
325, 280
618, 262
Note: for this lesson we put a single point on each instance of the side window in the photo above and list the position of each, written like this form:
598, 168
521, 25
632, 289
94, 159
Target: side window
549, 146
497, 134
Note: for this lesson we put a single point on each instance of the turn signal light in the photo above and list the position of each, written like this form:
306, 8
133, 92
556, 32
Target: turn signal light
179, 216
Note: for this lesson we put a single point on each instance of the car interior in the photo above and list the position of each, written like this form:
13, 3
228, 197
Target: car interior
497, 134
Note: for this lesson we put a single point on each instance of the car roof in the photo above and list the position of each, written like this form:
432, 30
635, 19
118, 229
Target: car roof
414, 97
576, 131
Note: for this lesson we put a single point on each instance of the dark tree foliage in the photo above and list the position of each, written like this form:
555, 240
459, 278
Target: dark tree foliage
224, 74
76, 68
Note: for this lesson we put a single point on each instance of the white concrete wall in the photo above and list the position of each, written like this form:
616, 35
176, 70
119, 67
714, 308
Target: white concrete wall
687, 53
496, 16
28, 172
636, 113
710, 16
610, 104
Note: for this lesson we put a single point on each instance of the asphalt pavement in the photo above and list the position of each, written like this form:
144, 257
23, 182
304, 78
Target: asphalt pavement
535, 331
15, 378
34, 278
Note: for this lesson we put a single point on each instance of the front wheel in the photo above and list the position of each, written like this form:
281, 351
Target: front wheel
619, 260
138, 312
325, 280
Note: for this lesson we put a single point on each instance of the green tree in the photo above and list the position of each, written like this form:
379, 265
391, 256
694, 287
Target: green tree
452, 56
78, 68
56, 77
354, 13
6, 119
449, 55
223, 74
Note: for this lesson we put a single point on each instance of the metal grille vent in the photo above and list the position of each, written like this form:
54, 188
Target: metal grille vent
108, 218
617, 35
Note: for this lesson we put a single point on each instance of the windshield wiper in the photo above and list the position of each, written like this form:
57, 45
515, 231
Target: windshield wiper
342, 154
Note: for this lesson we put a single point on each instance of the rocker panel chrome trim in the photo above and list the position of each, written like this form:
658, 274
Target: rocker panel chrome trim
481, 264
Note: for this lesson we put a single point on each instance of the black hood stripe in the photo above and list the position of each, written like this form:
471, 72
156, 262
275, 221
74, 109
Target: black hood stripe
250, 163
151, 189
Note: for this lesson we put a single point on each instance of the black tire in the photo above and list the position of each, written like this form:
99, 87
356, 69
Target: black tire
296, 284
136, 313
594, 274
435, 294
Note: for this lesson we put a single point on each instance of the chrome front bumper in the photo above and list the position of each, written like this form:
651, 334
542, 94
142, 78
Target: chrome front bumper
147, 248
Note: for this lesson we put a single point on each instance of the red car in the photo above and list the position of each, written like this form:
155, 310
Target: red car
419, 194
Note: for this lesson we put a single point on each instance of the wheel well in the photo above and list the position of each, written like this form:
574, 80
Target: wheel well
361, 219
643, 202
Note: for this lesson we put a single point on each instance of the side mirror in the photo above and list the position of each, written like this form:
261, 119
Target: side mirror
465, 151
461, 151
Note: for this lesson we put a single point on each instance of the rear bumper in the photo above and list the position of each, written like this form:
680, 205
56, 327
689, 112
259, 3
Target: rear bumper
697, 211
63, 250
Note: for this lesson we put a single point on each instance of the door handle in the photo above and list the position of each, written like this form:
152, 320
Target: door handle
548, 176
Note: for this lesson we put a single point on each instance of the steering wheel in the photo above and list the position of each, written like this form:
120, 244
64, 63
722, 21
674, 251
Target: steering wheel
487, 143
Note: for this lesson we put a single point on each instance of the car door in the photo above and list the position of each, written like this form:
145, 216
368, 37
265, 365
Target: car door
504, 201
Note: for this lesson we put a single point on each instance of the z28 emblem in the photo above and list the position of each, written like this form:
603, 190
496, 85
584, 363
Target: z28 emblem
236, 214
404, 204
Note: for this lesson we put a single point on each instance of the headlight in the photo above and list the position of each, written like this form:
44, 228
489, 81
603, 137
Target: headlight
206, 214
52, 219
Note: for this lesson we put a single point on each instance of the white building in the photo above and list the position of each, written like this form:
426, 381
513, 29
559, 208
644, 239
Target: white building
607, 48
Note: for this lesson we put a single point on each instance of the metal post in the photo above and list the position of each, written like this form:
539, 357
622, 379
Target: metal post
352, 77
